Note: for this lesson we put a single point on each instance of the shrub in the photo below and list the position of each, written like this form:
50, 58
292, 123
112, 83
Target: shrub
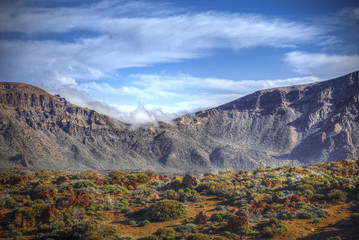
163, 234
122, 203
138, 177
337, 196
167, 210
317, 220
304, 215
273, 231
281, 228
131, 222
334, 238
198, 236
124, 238
305, 187
248, 231
216, 217
111, 189
144, 223
92, 230
83, 230
84, 184
20, 238
187, 228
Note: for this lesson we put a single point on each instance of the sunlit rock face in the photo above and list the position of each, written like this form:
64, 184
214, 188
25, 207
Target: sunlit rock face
289, 125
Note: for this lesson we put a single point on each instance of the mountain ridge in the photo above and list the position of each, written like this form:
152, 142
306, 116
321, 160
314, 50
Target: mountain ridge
288, 125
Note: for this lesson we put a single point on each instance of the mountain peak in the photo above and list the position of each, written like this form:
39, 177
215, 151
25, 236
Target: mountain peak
286, 95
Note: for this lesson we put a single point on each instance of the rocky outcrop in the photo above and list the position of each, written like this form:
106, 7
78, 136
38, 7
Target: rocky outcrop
190, 181
281, 126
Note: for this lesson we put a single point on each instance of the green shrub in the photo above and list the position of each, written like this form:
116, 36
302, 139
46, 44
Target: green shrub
198, 236
138, 177
131, 222
122, 203
187, 228
124, 238
332, 224
84, 184
108, 207
337, 196
334, 238
247, 231
84, 230
281, 228
115, 174
216, 217
20, 238
167, 210
273, 231
305, 187
317, 220
92, 230
163, 234
144, 223
110, 189
304, 215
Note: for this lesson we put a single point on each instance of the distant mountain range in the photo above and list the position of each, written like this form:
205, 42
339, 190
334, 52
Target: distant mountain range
294, 125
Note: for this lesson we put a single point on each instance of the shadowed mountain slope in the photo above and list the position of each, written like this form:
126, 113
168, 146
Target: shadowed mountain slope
289, 125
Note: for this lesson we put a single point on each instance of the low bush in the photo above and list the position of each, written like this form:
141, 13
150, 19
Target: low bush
167, 210
83, 184
124, 238
337, 196
138, 177
163, 234
144, 223
248, 231
92, 230
317, 220
198, 236
304, 215
274, 231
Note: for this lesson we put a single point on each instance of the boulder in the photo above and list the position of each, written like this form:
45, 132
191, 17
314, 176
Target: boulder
190, 181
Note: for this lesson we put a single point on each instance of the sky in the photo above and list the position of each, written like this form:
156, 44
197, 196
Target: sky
153, 60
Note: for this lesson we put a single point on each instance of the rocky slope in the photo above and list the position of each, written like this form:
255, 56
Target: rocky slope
289, 125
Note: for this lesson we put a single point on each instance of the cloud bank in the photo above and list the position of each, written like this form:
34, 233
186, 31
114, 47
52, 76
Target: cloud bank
322, 65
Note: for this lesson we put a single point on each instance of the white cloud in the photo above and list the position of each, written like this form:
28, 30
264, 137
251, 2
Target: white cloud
130, 34
322, 65
162, 82
173, 93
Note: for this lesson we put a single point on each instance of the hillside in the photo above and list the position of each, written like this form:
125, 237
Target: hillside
290, 125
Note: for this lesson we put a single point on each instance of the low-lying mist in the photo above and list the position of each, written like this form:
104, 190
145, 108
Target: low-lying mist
140, 117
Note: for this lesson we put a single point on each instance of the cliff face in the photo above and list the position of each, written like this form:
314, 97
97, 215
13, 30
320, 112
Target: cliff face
289, 125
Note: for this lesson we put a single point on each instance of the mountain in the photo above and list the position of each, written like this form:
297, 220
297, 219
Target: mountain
295, 125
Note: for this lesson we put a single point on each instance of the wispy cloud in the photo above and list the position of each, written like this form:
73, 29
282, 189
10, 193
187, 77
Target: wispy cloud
322, 65
173, 93
130, 34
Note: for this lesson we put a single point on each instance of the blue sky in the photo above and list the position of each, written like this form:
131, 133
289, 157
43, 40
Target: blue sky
174, 56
